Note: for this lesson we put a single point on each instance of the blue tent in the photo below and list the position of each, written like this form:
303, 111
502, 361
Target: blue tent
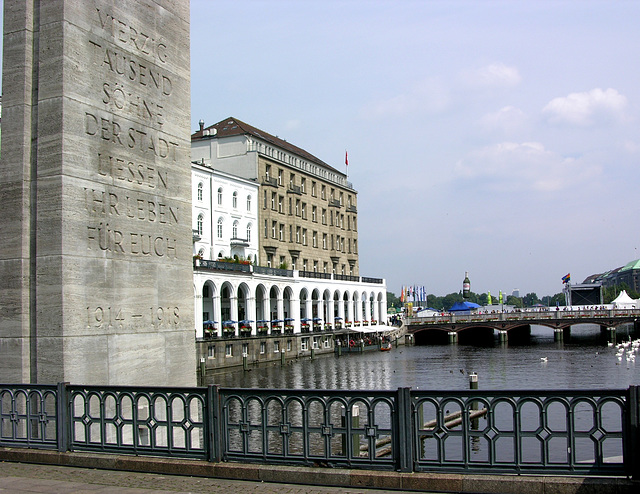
460, 306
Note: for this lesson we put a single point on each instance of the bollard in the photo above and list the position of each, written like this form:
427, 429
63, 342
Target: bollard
361, 345
282, 357
473, 381
203, 368
473, 384
313, 353
355, 423
558, 335
244, 362
339, 348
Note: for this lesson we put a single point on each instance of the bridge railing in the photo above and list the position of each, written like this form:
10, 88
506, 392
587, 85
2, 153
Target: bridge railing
590, 432
524, 314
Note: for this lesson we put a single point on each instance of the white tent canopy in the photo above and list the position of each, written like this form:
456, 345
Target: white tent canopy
623, 301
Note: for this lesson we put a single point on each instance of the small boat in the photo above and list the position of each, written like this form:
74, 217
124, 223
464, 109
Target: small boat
385, 347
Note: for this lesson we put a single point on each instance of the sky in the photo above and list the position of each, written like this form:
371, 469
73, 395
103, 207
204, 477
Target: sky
500, 138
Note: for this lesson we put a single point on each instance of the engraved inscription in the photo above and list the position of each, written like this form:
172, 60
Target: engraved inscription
117, 317
112, 204
122, 32
106, 238
134, 138
124, 170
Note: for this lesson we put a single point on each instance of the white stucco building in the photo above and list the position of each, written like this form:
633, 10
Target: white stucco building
224, 215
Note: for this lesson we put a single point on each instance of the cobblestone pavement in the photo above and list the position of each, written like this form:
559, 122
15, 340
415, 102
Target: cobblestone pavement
24, 478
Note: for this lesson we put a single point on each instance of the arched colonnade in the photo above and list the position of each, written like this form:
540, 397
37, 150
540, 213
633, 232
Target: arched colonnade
248, 304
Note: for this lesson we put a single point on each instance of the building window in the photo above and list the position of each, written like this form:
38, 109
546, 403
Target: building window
199, 223
280, 209
304, 344
313, 188
268, 171
220, 196
288, 345
323, 192
324, 241
235, 200
316, 342
228, 351
304, 210
324, 216
304, 236
314, 210
276, 347
297, 207
279, 177
327, 342
234, 229
263, 347
266, 229
315, 239
245, 349
273, 201
297, 234
200, 191
219, 227
315, 266
289, 206
303, 183
324, 267
248, 204
249, 232
281, 232
211, 351
292, 180
273, 229
304, 264
290, 233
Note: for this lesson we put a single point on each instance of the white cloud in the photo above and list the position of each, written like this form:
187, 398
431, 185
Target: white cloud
427, 96
507, 119
586, 108
522, 167
494, 75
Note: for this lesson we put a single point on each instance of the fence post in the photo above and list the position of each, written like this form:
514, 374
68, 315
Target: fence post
213, 423
404, 445
63, 417
632, 437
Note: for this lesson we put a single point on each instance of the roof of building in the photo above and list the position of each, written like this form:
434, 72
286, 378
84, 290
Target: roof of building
233, 127
631, 265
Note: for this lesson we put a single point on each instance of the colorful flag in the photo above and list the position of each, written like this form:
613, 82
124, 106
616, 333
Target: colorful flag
567, 278
346, 158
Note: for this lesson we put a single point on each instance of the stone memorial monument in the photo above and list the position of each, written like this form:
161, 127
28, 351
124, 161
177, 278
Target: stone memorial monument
96, 283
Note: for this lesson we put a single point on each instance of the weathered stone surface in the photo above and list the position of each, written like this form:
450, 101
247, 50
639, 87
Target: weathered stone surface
95, 243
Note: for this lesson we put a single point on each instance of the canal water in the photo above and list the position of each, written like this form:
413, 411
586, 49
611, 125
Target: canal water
582, 361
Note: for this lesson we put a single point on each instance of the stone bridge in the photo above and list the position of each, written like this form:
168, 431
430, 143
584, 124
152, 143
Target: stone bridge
503, 322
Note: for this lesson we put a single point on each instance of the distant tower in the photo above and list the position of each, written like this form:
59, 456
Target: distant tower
466, 285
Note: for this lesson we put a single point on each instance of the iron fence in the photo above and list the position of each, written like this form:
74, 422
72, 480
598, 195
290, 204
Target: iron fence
590, 432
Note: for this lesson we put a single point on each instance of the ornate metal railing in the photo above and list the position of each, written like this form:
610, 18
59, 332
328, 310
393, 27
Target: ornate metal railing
590, 432
128, 420
29, 416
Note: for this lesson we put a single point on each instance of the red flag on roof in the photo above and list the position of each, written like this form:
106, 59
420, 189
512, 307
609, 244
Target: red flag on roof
346, 158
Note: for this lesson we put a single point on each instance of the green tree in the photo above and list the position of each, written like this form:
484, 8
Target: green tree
393, 301
515, 301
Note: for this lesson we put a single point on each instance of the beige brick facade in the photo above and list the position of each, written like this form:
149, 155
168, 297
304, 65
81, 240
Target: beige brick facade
307, 211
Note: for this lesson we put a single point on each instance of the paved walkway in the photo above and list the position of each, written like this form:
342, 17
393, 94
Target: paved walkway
24, 478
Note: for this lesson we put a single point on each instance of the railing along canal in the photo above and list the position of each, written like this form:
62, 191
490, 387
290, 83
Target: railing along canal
590, 432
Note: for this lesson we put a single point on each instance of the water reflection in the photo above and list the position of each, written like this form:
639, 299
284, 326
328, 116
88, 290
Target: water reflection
582, 361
